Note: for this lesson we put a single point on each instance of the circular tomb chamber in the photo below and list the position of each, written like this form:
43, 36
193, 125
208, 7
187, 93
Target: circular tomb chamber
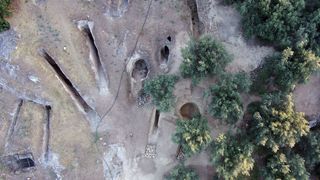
140, 70
189, 110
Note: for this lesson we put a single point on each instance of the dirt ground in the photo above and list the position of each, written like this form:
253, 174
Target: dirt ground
126, 144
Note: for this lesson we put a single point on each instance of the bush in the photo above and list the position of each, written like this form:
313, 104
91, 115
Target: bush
4, 25
180, 172
276, 124
284, 71
280, 166
161, 90
311, 150
274, 21
203, 57
232, 156
225, 97
193, 135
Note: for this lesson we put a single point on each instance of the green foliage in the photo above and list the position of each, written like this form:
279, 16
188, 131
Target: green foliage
4, 25
161, 90
202, 58
276, 124
232, 156
180, 172
193, 135
232, 1
312, 149
225, 97
285, 22
280, 166
284, 71
272, 20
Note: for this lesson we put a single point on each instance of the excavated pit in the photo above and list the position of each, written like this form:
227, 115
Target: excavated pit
189, 110
169, 38
13, 124
91, 114
140, 70
47, 132
156, 120
164, 55
100, 74
196, 23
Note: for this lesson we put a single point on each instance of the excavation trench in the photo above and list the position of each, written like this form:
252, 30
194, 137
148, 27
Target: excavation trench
75, 95
13, 124
196, 23
164, 53
47, 132
100, 74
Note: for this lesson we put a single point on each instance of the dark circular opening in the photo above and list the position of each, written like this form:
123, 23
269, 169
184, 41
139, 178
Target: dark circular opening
169, 38
165, 54
140, 70
189, 110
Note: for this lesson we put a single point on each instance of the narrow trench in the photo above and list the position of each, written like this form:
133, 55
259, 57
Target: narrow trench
179, 152
164, 54
66, 82
96, 61
47, 132
196, 24
156, 120
13, 123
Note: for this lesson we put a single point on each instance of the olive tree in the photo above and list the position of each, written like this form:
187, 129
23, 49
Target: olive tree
276, 124
286, 167
311, 149
161, 90
180, 172
4, 25
232, 156
226, 102
283, 71
193, 135
202, 58
274, 21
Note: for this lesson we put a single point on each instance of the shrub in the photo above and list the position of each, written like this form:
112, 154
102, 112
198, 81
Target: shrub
311, 149
4, 25
280, 166
276, 124
284, 71
225, 97
161, 90
232, 156
193, 135
180, 172
274, 21
202, 58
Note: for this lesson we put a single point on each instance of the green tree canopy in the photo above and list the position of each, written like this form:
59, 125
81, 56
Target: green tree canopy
283, 71
280, 166
276, 124
193, 135
4, 25
232, 156
161, 90
225, 97
272, 20
203, 57
311, 149
180, 172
